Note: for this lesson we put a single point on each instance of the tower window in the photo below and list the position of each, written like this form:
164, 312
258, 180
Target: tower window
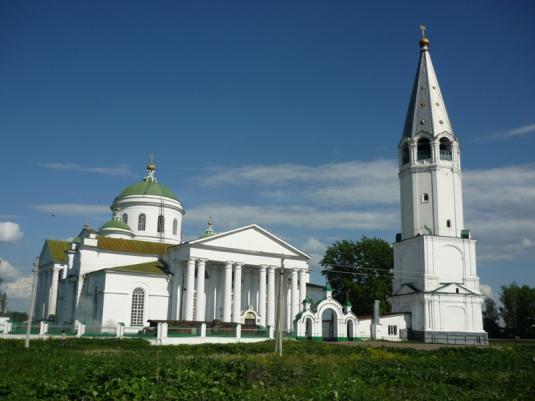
445, 148
424, 149
456, 290
125, 218
138, 306
175, 226
141, 222
448, 223
425, 198
405, 154
161, 224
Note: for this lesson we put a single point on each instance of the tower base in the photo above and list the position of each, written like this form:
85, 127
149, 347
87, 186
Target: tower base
450, 337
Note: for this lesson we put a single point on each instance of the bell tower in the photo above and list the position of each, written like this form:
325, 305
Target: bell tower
434, 256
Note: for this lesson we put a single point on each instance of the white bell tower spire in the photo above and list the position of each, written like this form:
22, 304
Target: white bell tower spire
435, 275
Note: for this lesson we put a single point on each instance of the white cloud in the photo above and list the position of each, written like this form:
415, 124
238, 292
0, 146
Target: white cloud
518, 132
122, 170
293, 215
7, 271
10, 232
20, 289
486, 290
72, 209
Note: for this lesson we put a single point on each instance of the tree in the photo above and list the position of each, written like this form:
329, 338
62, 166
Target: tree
518, 310
490, 319
360, 272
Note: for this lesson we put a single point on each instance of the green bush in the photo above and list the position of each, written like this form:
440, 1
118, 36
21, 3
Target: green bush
131, 369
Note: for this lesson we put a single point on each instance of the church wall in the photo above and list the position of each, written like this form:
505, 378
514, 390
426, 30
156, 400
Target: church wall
92, 259
118, 297
152, 206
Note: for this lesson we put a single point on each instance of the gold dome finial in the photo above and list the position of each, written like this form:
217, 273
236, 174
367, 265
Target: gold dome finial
151, 166
424, 42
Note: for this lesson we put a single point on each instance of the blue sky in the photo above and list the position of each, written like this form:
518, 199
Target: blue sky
286, 114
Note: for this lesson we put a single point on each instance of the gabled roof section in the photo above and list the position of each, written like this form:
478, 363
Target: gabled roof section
158, 267
463, 289
250, 238
57, 250
427, 111
132, 246
407, 289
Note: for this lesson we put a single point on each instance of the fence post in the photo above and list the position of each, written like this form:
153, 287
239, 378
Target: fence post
162, 333
80, 328
270, 332
120, 330
203, 330
238, 331
42, 328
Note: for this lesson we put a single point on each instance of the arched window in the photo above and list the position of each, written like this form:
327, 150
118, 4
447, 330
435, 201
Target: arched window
175, 226
424, 149
425, 197
405, 154
141, 221
125, 218
445, 148
161, 224
138, 306
448, 223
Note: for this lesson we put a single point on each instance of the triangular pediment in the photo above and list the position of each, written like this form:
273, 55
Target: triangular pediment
251, 238
406, 289
451, 288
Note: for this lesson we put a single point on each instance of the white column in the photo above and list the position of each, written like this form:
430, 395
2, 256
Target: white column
295, 296
53, 292
227, 293
262, 295
237, 293
302, 287
271, 297
190, 288
177, 291
201, 266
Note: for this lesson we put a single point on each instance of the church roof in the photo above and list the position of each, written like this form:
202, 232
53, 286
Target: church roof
427, 111
148, 188
57, 250
116, 224
158, 267
131, 246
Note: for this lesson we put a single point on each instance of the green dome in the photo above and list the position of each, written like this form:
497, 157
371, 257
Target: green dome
148, 187
116, 224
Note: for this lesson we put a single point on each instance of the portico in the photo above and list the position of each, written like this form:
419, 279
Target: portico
221, 276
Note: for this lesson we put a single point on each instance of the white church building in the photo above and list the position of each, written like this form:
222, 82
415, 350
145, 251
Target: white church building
137, 267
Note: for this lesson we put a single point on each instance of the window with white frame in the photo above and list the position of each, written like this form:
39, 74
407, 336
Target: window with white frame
161, 224
392, 330
125, 218
141, 222
175, 226
138, 306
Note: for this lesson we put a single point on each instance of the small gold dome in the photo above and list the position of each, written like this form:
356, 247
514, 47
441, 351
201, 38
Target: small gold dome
151, 167
424, 42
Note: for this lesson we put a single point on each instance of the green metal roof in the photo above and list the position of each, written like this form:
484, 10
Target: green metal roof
148, 187
57, 250
116, 224
132, 246
158, 267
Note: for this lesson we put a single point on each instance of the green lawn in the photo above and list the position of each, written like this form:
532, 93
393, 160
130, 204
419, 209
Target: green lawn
110, 369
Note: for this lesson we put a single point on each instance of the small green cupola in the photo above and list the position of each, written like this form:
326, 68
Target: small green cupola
115, 228
209, 230
328, 290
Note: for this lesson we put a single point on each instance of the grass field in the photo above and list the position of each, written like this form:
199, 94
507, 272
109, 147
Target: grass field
86, 369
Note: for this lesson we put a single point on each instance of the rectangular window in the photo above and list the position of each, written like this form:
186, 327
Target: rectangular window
392, 330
